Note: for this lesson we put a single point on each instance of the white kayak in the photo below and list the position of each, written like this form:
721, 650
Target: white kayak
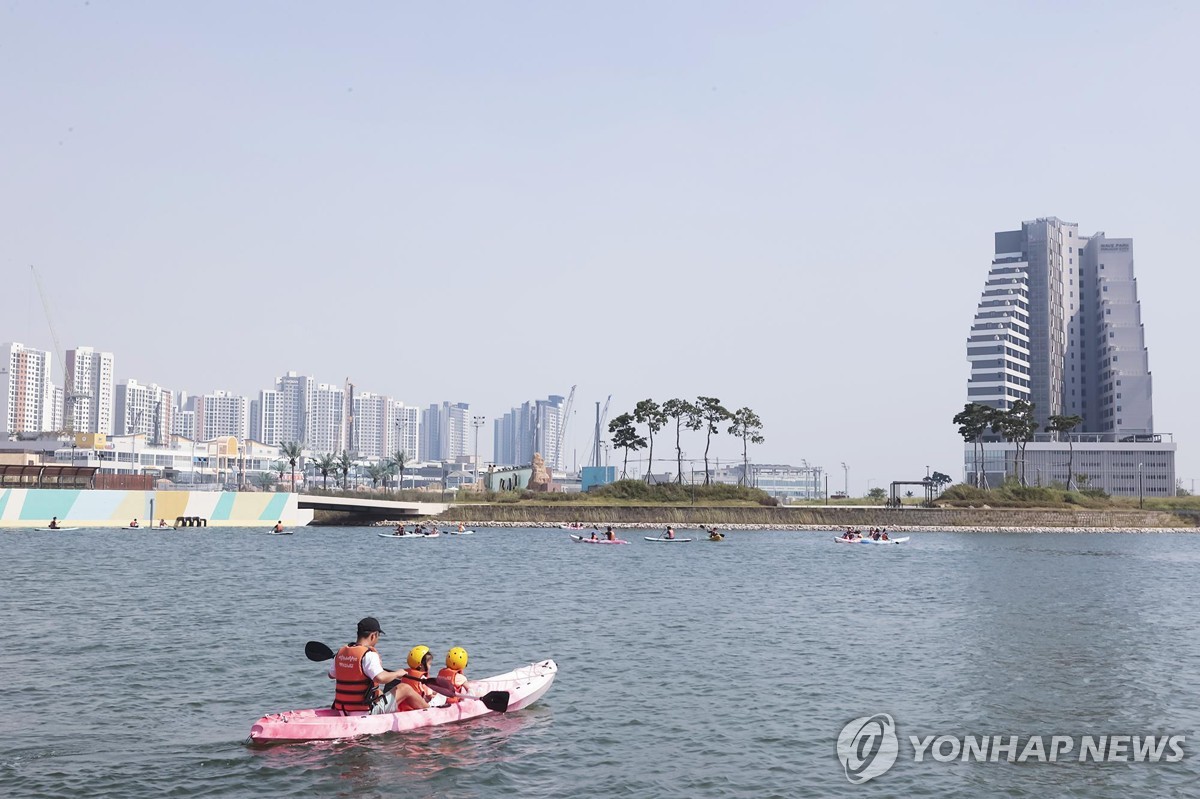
409, 535
460, 532
524, 686
54, 529
281, 532
661, 540
871, 540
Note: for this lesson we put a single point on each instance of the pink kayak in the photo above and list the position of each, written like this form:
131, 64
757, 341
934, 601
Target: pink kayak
580, 539
524, 686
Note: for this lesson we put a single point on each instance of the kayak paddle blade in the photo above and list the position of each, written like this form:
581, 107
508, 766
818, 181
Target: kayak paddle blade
317, 651
495, 700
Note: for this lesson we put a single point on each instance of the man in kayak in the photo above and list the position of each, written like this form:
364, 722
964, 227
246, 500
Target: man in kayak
53, 523
670, 533
358, 670
279, 526
133, 523
452, 676
609, 534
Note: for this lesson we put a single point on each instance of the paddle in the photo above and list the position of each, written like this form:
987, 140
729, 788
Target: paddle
492, 700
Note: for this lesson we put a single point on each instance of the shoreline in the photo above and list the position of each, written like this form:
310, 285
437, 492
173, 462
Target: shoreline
811, 528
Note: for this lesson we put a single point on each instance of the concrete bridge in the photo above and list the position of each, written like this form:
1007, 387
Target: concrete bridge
372, 508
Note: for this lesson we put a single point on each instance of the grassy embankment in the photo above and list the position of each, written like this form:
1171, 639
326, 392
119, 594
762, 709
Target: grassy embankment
633, 502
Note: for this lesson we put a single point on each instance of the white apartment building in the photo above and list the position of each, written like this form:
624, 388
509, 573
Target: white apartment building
222, 413
265, 417
148, 410
88, 392
327, 420
404, 428
27, 397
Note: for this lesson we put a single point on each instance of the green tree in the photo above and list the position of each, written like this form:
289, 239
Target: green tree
746, 426
397, 463
649, 413
344, 464
378, 472
711, 413
1018, 426
877, 494
625, 436
265, 480
972, 421
940, 481
1059, 424
292, 451
680, 410
326, 464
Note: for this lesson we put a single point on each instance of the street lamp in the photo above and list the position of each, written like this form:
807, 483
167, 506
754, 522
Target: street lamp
477, 422
845, 479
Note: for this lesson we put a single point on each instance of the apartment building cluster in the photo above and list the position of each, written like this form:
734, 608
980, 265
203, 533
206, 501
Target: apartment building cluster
323, 417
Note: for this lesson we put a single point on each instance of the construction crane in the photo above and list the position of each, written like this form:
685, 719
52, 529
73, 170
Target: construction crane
70, 395
561, 461
591, 458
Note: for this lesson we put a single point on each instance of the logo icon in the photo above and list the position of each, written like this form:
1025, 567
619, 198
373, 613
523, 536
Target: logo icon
867, 747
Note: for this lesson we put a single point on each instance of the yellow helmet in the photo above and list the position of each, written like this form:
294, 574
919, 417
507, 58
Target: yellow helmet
456, 658
416, 656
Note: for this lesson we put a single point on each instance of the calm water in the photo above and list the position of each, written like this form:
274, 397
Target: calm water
133, 663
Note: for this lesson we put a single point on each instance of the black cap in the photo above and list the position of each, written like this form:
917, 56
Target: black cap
369, 625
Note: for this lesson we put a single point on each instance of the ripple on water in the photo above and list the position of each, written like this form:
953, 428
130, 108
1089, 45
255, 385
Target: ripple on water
684, 671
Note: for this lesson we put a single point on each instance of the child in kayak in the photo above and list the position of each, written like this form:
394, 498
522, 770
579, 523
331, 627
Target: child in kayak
452, 676
419, 658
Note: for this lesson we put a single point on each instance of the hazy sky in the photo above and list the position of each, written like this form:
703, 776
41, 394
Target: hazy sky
788, 206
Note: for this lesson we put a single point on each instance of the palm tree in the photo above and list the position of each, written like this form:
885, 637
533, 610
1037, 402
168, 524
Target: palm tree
377, 472
746, 426
292, 451
265, 480
344, 464
712, 413
679, 410
649, 413
280, 468
326, 464
398, 462
625, 437
1065, 424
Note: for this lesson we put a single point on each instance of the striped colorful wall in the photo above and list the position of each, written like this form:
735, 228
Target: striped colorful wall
32, 507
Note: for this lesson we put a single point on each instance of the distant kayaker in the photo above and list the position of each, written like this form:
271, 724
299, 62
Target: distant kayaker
162, 522
670, 533
279, 526
419, 658
609, 534
594, 538
358, 670
53, 523
885, 536
133, 523
452, 676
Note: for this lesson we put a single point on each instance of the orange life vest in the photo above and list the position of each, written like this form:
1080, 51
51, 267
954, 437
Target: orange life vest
352, 692
413, 677
455, 678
